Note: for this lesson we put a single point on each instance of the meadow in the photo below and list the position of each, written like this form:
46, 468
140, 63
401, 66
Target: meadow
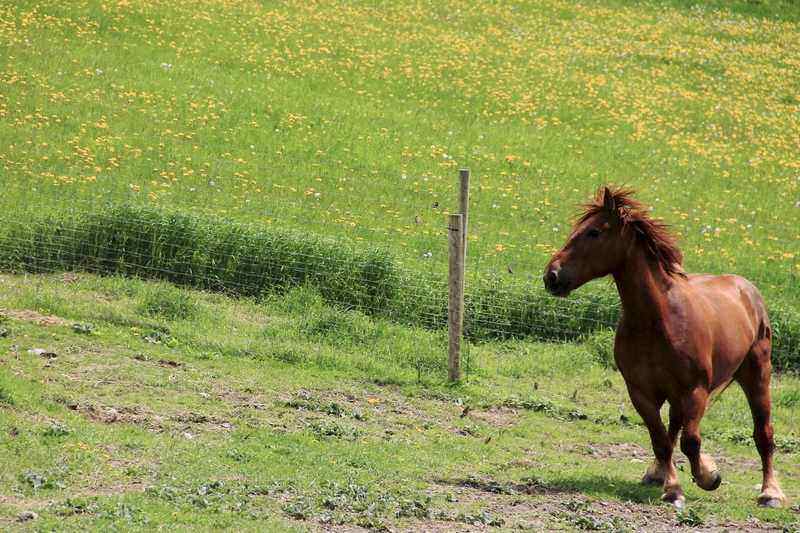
137, 406
223, 251
351, 119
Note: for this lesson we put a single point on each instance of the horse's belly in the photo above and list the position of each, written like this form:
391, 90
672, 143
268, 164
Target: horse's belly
732, 343
655, 368
731, 314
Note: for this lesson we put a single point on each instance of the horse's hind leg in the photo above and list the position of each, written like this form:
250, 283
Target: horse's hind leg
754, 377
704, 470
648, 409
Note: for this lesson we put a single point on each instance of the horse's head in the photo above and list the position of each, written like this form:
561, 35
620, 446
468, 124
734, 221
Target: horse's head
596, 247
603, 238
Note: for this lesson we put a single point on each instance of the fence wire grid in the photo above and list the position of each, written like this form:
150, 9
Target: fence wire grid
245, 259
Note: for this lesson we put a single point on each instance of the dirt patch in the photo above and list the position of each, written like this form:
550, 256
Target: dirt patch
478, 503
146, 418
380, 414
339, 528
36, 504
635, 453
741, 463
238, 399
443, 526
32, 316
116, 490
209, 423
491, 486
620, 451
123, 414
499, 416
393, 413
383, 414
166, 363
532, 505
526, 462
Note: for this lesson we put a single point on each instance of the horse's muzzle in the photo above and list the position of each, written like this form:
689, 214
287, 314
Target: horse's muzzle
556, 282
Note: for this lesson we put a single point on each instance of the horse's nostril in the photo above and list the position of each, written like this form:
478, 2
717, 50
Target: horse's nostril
551, 278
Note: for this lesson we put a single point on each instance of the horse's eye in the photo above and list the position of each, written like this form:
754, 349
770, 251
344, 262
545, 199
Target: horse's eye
593, 233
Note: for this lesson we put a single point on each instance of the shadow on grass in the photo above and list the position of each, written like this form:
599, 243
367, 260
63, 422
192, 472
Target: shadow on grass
599, 486
604, 486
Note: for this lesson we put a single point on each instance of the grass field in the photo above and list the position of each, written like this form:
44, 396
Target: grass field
142, 411
323, 141
351, 119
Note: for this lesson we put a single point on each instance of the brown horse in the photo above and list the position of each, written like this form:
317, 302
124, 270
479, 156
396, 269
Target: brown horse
680, 338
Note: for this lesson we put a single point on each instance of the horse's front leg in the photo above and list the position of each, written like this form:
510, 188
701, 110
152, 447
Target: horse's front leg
704, 469
663, 470
657, 472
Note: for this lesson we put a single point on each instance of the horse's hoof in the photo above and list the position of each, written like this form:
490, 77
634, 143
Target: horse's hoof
675, 498
773, 499
769, 502
713, 484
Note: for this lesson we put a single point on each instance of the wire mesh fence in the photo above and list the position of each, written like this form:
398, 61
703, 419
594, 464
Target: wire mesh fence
251, 260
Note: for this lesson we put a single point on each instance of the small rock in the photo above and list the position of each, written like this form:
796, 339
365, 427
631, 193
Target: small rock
42, 353
84, 329
304, 394
25, 516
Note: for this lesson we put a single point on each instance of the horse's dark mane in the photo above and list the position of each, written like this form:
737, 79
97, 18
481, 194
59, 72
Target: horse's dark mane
654, 234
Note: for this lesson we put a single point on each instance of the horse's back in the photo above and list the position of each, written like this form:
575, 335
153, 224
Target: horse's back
725, 288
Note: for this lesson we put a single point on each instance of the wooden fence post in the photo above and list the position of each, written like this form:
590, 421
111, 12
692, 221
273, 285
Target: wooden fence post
463, 205
455, 308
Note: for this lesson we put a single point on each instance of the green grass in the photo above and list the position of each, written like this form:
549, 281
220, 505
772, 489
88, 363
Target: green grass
286, 413
351, 119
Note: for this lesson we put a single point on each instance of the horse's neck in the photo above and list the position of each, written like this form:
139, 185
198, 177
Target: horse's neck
643, 287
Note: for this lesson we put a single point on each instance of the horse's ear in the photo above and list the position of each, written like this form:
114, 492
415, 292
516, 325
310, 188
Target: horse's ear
608, 201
